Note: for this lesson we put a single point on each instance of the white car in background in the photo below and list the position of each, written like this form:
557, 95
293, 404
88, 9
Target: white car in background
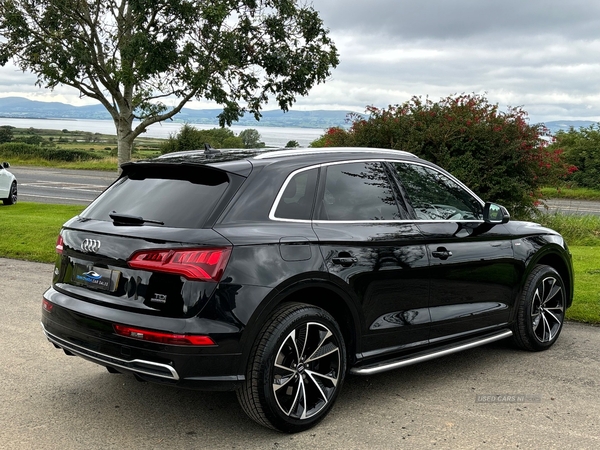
8, 185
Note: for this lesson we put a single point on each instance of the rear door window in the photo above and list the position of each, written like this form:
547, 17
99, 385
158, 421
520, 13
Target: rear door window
358, 192
178, 196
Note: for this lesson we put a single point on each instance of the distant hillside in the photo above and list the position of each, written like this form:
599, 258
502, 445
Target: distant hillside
18, 107
565, 125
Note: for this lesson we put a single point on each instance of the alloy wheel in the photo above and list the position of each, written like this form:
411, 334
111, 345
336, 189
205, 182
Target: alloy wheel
306, 371
547, 309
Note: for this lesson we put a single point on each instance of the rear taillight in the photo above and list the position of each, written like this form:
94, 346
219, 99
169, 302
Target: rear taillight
59, 244
46, 305
162, 337
201, 264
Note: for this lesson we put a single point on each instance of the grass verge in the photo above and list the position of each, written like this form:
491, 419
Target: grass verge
576, 229
586, 300
29, 231
107, 164
574, 194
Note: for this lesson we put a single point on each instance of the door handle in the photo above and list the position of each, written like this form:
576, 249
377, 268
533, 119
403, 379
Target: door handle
345, 261
441, 253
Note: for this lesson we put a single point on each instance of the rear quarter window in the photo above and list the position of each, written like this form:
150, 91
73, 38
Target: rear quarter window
179, 196
297, 199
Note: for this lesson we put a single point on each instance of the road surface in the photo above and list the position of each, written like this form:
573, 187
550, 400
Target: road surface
571, 207
61, 186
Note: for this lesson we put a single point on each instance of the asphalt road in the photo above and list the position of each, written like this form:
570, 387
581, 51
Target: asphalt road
566, 206
62, 186
51, 401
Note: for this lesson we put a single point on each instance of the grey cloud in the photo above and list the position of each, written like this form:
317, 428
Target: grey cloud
457, 19
541, 54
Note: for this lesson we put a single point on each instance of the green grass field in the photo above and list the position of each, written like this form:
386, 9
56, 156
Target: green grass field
29, 230
586, 303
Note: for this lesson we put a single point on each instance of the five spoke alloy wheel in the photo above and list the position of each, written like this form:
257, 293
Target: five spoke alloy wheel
296, 370
541, 312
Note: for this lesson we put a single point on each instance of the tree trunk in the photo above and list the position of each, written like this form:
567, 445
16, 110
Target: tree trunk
125, 138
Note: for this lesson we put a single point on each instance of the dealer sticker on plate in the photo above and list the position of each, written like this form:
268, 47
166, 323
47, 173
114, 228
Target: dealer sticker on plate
97, 278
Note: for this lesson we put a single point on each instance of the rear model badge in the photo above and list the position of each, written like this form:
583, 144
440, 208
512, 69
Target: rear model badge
90, 245
159, 298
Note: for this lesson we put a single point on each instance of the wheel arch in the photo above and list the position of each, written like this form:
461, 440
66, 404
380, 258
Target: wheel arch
319, 293
552, 257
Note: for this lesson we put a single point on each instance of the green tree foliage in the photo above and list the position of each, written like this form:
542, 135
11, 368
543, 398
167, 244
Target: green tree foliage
33, 139
582, 150
6, 134
251, 138
292, 144
131, 54
497, 154
190, 138
335, 137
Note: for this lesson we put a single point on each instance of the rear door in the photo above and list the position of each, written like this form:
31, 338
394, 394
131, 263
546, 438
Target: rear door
373, 254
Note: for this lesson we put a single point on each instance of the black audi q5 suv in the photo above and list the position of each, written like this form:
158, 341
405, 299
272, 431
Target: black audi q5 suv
277, 273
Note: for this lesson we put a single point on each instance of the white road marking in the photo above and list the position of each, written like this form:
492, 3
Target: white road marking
53, 198
65, 186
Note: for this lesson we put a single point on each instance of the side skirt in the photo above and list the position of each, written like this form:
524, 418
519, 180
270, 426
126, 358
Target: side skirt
427, 355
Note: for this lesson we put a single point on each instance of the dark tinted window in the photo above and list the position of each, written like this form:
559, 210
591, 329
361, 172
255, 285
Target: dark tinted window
358, 191
181, 197
434, 196
297, 199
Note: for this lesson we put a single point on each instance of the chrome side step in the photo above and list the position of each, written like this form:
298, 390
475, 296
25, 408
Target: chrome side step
426, 356
139, 366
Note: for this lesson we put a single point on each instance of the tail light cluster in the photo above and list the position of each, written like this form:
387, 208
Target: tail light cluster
59, 244
46, 305
199, 264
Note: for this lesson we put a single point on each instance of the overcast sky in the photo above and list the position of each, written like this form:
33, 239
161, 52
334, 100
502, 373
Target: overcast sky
543, 55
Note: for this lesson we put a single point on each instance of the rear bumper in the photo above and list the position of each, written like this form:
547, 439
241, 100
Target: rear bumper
86, 330
138, 366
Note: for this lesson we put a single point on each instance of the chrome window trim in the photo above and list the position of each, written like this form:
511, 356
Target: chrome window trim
333, 163
372, 222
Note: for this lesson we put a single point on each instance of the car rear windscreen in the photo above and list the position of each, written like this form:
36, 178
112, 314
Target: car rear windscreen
178, 196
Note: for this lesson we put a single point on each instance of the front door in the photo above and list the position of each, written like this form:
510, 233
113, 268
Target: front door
472, 272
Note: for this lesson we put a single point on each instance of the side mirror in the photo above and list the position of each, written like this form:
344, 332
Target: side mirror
5, 165
495, 214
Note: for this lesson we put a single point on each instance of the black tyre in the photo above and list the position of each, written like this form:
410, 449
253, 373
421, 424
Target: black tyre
12, 195
541, 310
296, 369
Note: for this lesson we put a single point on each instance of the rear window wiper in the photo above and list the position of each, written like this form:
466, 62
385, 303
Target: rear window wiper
128, 219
